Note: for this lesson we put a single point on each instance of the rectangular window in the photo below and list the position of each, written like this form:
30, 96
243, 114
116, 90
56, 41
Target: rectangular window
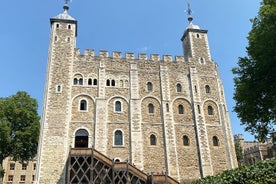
24, 166
34, 166
22, 178
12, 166
10, 178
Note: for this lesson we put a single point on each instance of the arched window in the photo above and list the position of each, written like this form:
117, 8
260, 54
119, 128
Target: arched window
186, 141
152, 140
112, 82
215, 141
68, 39
75, 81
178, 88
118, 106
69, 26
89, 82
118, 138
81, 139
210, 110
107, 82
58, 88
81, 81
95, 82
151, 108
83, 105
149, 86
57, 26
201, 60
180, 109
121, 83
207, 89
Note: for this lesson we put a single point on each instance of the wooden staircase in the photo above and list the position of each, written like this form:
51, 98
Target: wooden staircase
89, 166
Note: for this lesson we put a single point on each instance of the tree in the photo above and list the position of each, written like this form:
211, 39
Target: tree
19, 127
239, 153
255, 80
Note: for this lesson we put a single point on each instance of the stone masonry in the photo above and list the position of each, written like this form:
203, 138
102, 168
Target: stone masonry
171, 112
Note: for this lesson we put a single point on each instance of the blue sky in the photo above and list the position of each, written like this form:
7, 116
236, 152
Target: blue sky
139, 26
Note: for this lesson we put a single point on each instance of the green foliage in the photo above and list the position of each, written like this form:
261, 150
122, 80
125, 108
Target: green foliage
255, 80
239, 153
259, 173
19, 127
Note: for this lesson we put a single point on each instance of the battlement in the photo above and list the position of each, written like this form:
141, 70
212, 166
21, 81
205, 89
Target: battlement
130, 56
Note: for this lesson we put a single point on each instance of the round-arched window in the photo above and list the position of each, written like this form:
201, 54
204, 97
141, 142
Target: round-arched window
81, 139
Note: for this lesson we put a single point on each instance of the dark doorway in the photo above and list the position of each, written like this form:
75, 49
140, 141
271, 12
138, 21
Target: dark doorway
81, 139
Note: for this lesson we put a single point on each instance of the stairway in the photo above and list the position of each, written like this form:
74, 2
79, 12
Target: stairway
89, 166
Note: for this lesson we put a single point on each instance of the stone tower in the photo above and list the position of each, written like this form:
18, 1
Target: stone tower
53, 143
158, 113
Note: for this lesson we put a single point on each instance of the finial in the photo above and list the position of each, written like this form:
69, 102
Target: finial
189, 11
66, 6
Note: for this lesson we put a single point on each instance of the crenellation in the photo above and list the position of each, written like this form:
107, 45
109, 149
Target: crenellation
89, 52
167, 58
179, 58
155, 57
142, 56
77, 52
103, 54
153, 110
117, 55
130, 55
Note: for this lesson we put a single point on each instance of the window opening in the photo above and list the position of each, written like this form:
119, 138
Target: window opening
12, 166
107, 82
152, 139
151, 108
210, 110
118, 139
10, 178
180, 109
198, 109
149, 86
75, 81
81, 139
167, 107
58, 88
195, 89
215, 141
95, 82
89, 82
178, 88
112, 82
24, 166
186, 141
207, 89
83, 105
69, 26
118, 106
22, 178
81, 81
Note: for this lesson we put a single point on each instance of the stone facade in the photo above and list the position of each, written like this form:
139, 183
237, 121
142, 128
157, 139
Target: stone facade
16, 172
169, 115
254, 151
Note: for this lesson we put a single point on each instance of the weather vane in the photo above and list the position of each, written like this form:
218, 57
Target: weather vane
189, 11
67, 1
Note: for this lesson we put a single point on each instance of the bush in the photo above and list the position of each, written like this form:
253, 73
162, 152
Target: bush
260, 173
